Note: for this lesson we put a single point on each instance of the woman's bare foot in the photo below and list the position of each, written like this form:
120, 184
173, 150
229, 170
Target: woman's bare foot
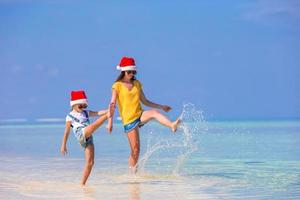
133, 170
175, 124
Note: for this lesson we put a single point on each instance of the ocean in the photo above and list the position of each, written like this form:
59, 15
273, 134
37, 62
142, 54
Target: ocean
202, 160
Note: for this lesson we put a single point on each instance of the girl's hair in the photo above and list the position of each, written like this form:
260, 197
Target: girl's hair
121, 76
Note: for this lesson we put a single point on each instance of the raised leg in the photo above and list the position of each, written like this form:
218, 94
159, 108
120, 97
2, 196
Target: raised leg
90, 129
155, 114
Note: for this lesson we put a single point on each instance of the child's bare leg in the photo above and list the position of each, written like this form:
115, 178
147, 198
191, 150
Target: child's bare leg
89, 162
90, 129
154, 114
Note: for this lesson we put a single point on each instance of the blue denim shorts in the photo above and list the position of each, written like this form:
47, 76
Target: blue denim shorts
129, 127
84, 142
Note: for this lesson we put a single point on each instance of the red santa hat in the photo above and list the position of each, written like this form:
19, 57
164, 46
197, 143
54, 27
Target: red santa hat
126, 64
78, 97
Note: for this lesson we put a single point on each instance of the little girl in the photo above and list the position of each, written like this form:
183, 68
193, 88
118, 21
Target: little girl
78, 119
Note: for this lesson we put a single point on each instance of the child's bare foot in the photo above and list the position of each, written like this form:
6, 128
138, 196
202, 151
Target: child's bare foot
175, 124
82, 185
108, 115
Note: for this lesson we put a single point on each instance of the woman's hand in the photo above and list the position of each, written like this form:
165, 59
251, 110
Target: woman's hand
109, 125
63, 150
166, 108
109, 128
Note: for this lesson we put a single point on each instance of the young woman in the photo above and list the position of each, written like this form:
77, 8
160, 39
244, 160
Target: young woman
128, 93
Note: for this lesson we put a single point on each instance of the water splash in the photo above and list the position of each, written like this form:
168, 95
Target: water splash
192, 123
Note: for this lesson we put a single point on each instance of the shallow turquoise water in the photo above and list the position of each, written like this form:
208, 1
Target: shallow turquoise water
203, 160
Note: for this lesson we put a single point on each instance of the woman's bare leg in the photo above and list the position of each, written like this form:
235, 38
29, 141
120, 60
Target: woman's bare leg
89, 162
154, 114
134, 143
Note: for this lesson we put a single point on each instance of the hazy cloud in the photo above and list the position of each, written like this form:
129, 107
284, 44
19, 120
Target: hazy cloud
50, 71
14, 1
263, 10
32, 1
40, 68
53, 72
32, 100
16, 69
218, 53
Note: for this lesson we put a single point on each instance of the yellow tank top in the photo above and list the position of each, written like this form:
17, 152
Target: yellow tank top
129, 104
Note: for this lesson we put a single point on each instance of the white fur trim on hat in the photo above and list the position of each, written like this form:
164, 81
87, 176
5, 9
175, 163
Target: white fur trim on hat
127, 68
79, 101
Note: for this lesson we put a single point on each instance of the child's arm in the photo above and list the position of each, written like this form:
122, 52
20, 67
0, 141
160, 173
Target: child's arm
63, 148
146, 102
111, 110
99, 113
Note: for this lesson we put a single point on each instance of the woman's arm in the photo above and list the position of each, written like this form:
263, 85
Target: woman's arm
63, 148
148, 103
111, 110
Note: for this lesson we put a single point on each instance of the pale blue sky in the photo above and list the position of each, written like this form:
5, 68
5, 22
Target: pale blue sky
233, 59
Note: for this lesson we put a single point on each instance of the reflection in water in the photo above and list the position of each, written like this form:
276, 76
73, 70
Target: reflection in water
89, 193
134, 189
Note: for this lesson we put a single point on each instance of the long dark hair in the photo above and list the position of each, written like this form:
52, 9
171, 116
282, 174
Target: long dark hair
121, 76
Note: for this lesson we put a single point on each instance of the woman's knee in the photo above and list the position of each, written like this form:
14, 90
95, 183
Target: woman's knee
149, 115
154, 113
